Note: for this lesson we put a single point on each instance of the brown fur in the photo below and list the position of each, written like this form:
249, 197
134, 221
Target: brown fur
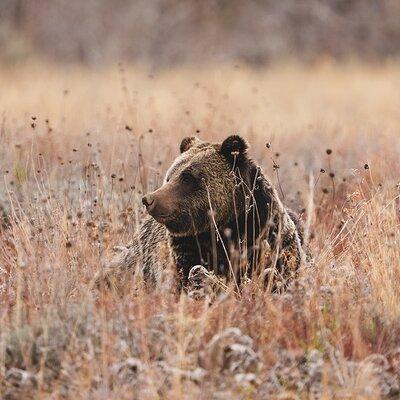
215, 206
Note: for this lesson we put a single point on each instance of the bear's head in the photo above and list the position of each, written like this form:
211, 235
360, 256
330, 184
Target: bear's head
205, 177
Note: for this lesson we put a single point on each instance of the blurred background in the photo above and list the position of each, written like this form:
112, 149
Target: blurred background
95, 98
164, 33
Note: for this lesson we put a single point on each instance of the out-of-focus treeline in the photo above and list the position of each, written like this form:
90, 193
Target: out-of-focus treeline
169, 32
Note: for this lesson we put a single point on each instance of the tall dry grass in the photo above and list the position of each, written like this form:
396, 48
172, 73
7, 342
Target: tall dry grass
80, 147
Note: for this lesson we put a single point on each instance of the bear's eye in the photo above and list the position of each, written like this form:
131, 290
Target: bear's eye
187, 177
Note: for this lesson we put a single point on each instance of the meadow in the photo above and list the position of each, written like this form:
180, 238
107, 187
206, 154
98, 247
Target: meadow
78, 149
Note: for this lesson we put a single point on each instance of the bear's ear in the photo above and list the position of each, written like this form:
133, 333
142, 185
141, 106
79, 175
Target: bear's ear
187, 143
234, 148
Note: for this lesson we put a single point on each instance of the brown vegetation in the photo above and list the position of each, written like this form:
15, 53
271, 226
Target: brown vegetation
78, 150
172, 32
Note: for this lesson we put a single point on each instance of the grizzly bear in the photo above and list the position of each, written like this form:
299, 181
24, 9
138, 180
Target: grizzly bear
217, 209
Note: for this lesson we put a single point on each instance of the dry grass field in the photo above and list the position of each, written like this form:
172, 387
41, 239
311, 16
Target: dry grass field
79, 147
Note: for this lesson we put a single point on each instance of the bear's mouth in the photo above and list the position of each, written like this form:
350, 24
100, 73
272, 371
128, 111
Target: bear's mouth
161, 217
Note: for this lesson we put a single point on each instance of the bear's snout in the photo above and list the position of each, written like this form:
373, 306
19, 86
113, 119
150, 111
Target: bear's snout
150, 203
147, 201
155, 204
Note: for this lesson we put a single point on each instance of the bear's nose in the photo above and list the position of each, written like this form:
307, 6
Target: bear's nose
147, 201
